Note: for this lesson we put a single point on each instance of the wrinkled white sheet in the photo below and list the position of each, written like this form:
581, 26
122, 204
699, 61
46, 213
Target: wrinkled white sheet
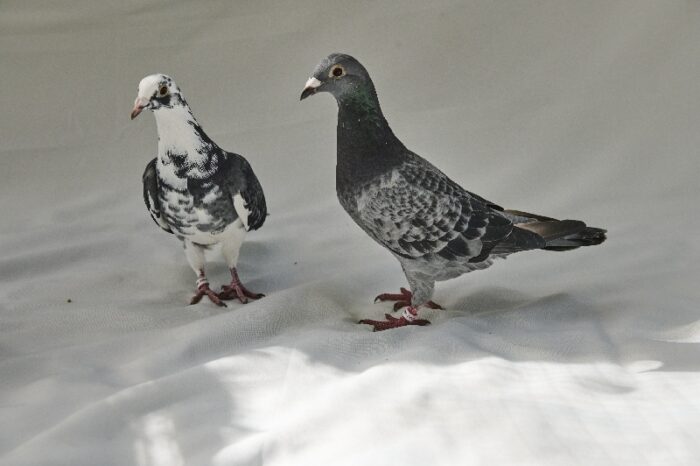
571, 109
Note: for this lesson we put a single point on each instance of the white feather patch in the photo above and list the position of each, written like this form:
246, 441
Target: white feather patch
175, 134
211, 196
239, 205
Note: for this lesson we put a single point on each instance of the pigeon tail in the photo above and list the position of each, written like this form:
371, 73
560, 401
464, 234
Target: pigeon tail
559, 235
589, 236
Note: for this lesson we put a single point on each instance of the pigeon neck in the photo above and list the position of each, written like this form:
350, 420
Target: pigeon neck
359, 109
183, 143
366, 143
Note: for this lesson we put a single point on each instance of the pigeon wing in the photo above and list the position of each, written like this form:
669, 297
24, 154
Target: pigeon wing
150, 195
248, 195
416, 211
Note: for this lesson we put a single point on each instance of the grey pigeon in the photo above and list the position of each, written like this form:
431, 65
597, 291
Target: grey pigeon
196, 190
434, 227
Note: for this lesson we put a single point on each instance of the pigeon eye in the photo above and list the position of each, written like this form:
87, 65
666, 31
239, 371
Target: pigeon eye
337, 71
163, 90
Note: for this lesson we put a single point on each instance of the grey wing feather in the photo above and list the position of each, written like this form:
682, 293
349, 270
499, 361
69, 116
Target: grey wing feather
240, 174
150, 195
416, 211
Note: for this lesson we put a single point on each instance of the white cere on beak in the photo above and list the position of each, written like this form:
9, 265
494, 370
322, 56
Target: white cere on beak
312, 83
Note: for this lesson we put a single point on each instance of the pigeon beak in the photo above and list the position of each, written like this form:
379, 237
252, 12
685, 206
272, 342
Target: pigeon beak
139, 105
310, 88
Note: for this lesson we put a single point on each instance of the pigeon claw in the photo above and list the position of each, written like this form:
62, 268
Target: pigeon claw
403, 299
206, 291
404, 295
392, 322
238, 291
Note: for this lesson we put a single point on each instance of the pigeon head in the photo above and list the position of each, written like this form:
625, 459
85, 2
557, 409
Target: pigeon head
157, 91
341, 75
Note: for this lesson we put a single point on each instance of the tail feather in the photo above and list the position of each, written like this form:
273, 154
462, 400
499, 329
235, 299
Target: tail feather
589, 236
559, 235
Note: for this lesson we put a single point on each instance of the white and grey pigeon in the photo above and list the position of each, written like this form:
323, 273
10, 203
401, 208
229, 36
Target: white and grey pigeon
196, 190
435, 228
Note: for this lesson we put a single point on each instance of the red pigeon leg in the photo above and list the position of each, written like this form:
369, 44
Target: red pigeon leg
204, 290
236, 290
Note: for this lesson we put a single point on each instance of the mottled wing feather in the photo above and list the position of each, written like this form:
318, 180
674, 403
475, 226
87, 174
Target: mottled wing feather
254, 197
244, 182
150, 195
416, 210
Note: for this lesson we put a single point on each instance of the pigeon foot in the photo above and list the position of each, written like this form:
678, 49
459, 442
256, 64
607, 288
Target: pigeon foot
204, 290
392, 322
403, 299
238, 291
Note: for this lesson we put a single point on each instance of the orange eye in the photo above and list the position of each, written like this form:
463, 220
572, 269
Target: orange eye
163, 90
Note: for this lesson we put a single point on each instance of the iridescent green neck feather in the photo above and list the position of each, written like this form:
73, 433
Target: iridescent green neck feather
365, 139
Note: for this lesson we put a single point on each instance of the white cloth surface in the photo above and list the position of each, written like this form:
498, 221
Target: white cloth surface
584, 110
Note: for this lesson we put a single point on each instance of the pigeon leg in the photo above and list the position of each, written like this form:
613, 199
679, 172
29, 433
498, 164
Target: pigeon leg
237, 290
204, 290
195, 256
409, 317
403, 299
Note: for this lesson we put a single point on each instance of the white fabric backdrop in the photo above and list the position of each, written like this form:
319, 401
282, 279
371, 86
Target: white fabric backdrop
571, 109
